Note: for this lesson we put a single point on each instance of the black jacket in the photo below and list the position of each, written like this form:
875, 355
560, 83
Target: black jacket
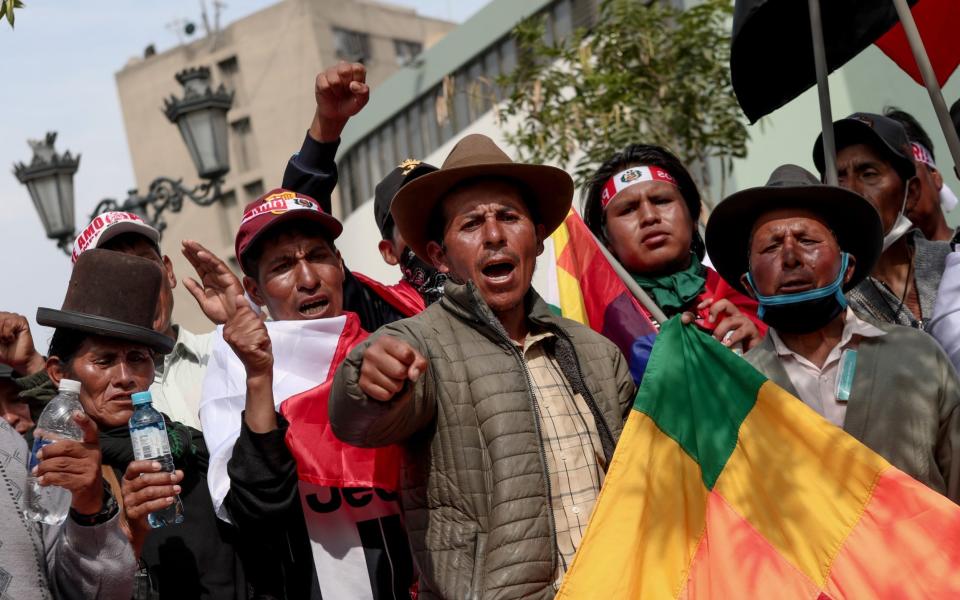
197, 558
264, 501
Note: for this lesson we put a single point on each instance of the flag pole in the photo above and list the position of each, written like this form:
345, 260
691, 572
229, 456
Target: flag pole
930, 80
637, 291
823, 92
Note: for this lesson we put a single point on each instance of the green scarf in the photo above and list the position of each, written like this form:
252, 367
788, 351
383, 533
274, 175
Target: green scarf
675, 291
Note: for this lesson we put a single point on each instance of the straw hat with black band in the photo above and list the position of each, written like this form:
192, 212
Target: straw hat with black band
853, 220
114, 295
547, 190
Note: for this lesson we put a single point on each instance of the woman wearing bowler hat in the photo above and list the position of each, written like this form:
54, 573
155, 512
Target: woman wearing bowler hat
105, 339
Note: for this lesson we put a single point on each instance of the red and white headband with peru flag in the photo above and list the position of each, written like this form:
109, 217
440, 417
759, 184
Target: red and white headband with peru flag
632, 176
948, 200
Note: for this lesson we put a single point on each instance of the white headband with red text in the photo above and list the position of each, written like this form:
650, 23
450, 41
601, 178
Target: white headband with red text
632, 176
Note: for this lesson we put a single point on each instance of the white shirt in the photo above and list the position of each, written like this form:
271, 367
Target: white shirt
177, 383
945, 324
816, 386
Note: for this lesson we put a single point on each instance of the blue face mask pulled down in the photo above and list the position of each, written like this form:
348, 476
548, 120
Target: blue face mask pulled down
803, 312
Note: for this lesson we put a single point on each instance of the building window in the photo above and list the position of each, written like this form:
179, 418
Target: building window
227, 232
229, 70
508, 56
252, 191
406, 51
415, 132
429, 127
584, 13
351, 46
244, 148
562, 19
401, 138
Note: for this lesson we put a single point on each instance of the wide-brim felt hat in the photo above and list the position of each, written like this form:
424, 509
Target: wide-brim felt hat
114, 295
548, 190
853, 220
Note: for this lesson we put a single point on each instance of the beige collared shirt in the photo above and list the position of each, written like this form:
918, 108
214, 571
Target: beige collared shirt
817, 387
178, 381
574, 454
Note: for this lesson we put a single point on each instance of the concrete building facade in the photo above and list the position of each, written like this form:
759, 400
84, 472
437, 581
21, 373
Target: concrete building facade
270, 59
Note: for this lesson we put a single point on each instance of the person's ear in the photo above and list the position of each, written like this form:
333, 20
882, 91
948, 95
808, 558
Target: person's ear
747, 287
913, 194
168, 271
541, 236
388, 252
438, 256
253, 288
343, 269
851, 268
56, 370
937, 178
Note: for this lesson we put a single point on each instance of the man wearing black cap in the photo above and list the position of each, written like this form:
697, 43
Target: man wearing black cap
796, 246
874, 160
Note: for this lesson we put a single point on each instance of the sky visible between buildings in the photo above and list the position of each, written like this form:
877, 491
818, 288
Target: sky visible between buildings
57, 74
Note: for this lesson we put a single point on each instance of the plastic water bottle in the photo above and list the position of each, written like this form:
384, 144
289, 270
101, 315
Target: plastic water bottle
148, 433
50, 504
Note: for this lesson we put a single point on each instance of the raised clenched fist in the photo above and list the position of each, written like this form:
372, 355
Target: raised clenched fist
341, 92
246, 333
388, 363
16, 344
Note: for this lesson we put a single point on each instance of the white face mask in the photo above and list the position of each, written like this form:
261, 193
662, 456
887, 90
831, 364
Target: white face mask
900, 226
948, 200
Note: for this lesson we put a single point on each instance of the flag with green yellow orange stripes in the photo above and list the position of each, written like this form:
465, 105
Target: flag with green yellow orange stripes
723, 485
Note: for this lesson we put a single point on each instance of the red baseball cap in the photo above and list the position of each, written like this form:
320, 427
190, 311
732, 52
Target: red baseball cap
274, 208
106, 226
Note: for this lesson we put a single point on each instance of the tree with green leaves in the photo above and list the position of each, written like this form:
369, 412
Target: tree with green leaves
647, 72
6, 9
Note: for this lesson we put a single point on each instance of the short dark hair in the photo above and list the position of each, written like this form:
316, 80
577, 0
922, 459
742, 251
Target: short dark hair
254, 253
915, 131
634, 155
437, 220
65, 344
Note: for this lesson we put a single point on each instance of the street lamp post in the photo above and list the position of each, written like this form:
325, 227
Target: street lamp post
201, 116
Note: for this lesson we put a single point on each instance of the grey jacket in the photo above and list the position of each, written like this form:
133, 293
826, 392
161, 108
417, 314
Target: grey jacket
904, 405
475, 486
873, 299
69, 561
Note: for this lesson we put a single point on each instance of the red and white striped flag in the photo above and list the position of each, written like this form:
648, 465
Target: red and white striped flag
348, 493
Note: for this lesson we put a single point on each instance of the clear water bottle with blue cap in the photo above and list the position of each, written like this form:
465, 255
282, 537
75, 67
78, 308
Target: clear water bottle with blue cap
148, 434
50, 504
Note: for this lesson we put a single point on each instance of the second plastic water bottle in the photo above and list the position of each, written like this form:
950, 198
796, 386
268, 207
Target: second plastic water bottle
148, 434
50, 504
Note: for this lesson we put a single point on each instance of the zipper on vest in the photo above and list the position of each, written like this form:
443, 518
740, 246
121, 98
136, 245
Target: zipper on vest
588, 395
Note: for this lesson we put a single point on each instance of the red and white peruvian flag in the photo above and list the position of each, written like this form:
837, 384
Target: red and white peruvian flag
348, 494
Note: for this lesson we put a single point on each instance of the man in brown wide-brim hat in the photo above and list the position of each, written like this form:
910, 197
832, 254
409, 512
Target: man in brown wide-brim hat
796, 246
509, 414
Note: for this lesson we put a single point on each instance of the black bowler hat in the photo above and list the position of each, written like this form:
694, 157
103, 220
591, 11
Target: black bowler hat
853, 220
880, 132
113, 295
388, 187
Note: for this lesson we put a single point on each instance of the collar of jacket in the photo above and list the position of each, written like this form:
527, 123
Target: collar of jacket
465, 302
